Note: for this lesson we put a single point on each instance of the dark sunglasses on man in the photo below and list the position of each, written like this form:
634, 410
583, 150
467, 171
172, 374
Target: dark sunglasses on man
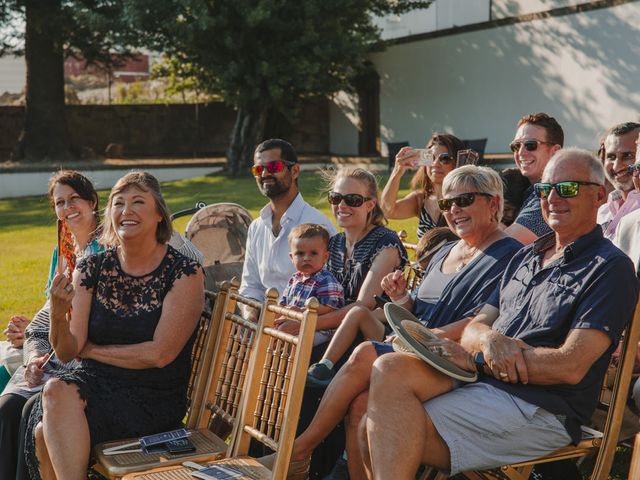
274, 166
566, 189
351, 199
461, 201
529, 145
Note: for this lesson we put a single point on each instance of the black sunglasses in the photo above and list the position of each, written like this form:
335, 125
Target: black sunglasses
443, 158
274, 166
529, 145
461, 201
566, 189
351, 199
634, 169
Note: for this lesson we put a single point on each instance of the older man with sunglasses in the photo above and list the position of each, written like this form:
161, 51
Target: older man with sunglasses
541, 345
617, 153
267, 263
537, 138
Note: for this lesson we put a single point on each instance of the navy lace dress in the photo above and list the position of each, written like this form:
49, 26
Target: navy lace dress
124, 402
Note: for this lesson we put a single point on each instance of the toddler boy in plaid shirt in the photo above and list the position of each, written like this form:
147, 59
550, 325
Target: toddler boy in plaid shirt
309, 252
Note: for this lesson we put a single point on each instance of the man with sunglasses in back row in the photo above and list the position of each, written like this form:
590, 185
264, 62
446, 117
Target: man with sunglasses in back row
617, 153
541, 346
267, 263
537, 138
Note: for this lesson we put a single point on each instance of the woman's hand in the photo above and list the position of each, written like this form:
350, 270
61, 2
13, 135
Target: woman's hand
34, 372
394, 285
61, 294
406, 158
287, 326
504, 357
15, 330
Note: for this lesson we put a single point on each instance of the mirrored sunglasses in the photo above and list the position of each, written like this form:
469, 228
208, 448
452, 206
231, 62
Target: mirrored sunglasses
566, 189
634, 169
529, 145
272, 167
461, 201
351, 199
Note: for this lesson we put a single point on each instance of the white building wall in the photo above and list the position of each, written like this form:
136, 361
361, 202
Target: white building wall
513, 8
440, 15
584, 69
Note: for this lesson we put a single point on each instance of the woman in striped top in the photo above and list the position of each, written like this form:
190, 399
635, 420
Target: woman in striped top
426, 184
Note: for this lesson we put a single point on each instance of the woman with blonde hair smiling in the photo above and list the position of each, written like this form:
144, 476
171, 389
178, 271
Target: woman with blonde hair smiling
135, 308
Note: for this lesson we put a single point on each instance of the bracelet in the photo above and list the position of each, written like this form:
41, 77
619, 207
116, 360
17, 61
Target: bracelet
402, 300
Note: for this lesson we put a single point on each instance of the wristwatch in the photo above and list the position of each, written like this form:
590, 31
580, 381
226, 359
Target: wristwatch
478, 359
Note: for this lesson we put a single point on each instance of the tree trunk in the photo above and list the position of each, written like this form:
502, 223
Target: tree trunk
44, 137
247, 133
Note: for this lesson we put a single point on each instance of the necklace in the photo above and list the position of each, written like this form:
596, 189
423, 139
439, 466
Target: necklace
466, 259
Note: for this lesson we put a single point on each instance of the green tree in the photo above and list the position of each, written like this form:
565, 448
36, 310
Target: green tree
267, 55
46, 32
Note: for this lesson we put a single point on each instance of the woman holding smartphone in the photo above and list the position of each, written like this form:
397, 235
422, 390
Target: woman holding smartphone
426, 184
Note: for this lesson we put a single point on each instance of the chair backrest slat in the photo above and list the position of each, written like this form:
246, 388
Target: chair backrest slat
202, 354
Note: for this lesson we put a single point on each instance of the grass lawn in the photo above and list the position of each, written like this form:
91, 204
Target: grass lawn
28, 233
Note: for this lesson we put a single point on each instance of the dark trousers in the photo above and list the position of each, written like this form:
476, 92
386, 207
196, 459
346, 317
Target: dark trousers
22, 473
10, 414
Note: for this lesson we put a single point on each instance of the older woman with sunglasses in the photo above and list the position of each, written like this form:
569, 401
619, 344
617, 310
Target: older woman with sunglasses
458, 280
426, 184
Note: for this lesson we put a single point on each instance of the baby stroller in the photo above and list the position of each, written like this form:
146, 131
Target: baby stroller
220, 233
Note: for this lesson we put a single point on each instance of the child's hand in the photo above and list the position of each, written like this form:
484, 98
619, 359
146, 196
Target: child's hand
287, 326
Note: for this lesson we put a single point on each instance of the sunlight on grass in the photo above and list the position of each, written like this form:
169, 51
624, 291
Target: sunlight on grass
27, 231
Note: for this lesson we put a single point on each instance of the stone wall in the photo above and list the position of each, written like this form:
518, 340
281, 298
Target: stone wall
169, 130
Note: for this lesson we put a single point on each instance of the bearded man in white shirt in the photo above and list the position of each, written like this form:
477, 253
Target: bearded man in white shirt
267, 263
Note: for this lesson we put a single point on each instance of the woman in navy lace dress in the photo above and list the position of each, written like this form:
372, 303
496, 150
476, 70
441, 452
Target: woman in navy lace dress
134, 309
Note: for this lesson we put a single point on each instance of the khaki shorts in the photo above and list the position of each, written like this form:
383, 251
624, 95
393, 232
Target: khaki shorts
485, 427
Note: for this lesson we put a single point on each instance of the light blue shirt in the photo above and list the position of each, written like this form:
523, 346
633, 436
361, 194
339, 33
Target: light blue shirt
267, 263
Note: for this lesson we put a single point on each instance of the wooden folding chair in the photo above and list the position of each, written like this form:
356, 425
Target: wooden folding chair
217, 390
271, 404
602, 443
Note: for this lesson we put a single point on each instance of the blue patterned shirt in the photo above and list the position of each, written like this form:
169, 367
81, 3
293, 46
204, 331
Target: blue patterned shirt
322, 285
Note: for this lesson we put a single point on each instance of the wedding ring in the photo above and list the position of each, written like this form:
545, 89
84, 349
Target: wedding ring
68, 288
503, 375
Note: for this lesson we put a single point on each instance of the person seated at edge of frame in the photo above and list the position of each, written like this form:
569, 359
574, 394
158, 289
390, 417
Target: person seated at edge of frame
74, 200
464, 272
135, 309
541, 344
